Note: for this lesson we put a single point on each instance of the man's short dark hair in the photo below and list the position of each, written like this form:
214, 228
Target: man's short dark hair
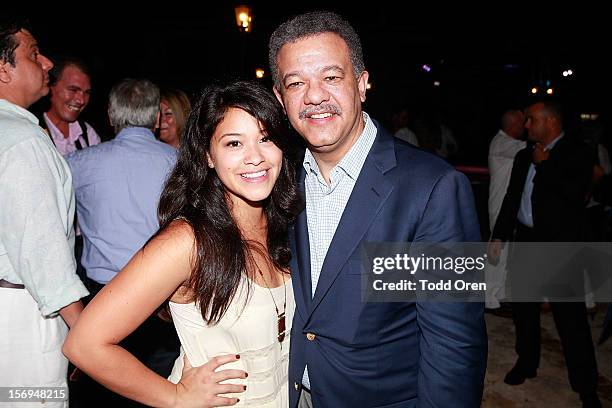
552, 106
8, 42
311, 24
62, 62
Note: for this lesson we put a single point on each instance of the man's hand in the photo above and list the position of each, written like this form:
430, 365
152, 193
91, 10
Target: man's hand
76, 374
71, 312
200, 386
539, 153
494, 251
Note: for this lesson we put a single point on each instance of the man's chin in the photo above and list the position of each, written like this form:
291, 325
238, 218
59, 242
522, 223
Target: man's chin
71, 117
325, 149
322, 141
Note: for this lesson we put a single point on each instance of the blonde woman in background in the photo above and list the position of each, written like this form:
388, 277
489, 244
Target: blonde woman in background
174, 107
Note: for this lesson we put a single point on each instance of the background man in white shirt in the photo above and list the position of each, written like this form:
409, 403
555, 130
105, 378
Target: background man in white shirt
504, 146
38, 283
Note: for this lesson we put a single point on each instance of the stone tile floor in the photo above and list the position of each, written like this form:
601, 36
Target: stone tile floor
551, 387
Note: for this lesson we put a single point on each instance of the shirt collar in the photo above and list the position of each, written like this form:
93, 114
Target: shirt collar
11, 107
135, 131
74, 130
353, 160
310, 164
555, 141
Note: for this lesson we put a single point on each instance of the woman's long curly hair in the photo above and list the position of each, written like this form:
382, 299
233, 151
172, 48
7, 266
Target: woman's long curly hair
195, 194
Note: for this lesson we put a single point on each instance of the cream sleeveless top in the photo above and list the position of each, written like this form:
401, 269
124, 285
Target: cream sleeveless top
250, 330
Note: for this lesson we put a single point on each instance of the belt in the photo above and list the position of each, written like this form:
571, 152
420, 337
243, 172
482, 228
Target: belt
9, 285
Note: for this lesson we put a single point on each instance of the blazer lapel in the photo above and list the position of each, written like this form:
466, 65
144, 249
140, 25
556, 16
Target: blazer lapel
300, 271
369, 194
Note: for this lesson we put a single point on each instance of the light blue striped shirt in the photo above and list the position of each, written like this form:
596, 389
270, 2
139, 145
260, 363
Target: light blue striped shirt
117, 186
325, 203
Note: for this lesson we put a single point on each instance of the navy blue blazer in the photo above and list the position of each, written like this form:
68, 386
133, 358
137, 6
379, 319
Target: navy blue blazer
388, 355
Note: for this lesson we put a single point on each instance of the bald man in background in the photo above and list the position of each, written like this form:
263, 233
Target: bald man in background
502, 150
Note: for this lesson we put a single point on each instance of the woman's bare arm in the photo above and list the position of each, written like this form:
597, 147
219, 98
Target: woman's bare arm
151, 277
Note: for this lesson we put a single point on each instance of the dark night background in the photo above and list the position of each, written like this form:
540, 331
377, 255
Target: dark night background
486, 58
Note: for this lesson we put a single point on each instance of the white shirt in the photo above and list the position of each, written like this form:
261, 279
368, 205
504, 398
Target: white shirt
36, 213
502, 150
407, 135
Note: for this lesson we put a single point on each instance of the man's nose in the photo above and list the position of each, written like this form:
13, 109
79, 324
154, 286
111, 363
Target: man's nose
315, 94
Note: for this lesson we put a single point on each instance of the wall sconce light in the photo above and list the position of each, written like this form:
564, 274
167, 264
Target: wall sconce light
244, 18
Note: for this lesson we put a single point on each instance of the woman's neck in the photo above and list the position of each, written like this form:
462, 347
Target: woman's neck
251, 221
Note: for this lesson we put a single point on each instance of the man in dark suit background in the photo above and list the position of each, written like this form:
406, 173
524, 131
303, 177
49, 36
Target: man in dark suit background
363, 185
545, 202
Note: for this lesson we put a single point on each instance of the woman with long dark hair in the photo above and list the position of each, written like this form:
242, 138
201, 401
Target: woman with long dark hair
221, 259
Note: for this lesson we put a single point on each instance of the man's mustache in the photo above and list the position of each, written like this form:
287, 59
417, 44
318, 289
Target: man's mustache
313, 110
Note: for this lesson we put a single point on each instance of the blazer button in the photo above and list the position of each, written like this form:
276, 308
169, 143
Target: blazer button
311, 336
296, 386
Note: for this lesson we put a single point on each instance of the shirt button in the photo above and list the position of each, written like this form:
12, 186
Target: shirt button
311, 336
296, 386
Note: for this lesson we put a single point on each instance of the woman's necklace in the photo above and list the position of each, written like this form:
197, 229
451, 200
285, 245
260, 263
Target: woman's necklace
280, 316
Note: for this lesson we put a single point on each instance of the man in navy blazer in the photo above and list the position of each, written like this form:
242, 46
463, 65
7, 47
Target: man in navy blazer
363, 185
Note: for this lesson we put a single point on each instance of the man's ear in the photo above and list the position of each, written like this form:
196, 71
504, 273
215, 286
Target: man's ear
157, 122
110, 121
5, 72
279, 96
362, 83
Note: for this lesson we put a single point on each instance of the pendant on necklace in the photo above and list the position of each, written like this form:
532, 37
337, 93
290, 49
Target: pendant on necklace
281, 327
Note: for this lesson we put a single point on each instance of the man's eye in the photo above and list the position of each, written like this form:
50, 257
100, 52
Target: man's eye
294, 84
332, 78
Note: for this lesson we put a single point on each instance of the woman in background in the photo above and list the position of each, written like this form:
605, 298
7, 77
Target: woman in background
174, 107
